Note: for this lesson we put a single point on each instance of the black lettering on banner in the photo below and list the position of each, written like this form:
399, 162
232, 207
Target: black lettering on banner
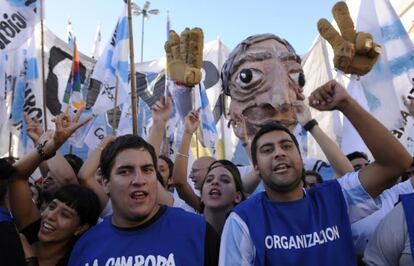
99, 132
10, 27
57, 55
404, 115
19, 19
29, 2
109, 91
14, 26
398, 132
30, 105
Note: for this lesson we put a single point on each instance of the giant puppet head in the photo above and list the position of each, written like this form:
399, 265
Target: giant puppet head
263, 77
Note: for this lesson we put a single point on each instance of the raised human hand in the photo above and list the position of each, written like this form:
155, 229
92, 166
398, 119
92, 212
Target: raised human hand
330, 96
192, 121
185, 56
66, 126
162, 109
303, 113
34, 128
354, 52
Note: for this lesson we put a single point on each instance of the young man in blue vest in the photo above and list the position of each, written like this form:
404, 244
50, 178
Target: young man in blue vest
140, 232
286, 225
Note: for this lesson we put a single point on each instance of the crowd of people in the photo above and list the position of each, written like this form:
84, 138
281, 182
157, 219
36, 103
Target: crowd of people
128, 204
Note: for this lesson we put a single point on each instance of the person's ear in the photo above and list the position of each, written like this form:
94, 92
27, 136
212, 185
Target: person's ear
105, 184
238, 197
81, 229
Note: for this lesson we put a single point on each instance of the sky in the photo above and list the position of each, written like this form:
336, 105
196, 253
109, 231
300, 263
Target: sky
230, 20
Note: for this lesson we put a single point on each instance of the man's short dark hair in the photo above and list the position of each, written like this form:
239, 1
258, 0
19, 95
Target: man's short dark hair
266, 128
123, 143
356, 154
75, 162
318, 177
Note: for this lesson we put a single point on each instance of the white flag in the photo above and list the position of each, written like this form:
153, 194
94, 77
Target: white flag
112, 68
69, 32
96, 49
97, 131
18, 22
125, 121
208, 125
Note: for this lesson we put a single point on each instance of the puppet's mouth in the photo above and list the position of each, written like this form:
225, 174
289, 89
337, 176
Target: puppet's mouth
257, 115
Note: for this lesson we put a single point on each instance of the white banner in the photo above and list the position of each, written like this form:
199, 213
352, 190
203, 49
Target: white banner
17, 23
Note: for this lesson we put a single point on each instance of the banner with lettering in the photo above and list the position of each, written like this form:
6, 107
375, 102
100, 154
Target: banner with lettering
17, 22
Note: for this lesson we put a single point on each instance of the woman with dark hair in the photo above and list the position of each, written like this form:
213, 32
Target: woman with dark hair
165, 168
50, 235
221, 191
311, 178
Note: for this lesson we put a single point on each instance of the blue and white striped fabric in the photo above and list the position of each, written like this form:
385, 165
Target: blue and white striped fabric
28, 92
112, 67
392, 76
208, 125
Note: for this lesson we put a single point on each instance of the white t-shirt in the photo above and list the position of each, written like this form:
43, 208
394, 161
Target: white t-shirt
363, 229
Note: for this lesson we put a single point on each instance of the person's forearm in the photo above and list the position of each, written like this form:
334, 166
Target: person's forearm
336, 158
90, 166
384, 147
181, 161
156, 135
184, 190
250, 181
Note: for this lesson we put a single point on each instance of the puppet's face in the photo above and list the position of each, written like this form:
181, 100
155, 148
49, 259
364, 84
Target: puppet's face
263, 85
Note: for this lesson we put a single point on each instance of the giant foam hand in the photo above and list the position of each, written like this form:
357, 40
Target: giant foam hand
185, 56
354, 52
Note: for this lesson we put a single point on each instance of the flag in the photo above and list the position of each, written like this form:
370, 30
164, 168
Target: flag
17, 22
69, 30
73, 98
168, 24
96, 131
96, 49
125, 121
392, 76
112, 68
28, 92
208, 125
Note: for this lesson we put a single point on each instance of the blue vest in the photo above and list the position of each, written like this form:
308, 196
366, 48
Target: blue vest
5, 216
408, 205
175, 238
312, 231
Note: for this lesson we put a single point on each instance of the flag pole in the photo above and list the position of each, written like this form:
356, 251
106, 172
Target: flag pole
196, 135
114, 128
134, 99
10, 133
43, 65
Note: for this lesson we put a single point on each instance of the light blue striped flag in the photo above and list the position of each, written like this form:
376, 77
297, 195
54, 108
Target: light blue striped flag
112, 68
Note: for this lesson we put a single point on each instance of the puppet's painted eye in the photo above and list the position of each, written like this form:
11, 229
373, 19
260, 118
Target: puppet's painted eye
249, 77
298, 78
